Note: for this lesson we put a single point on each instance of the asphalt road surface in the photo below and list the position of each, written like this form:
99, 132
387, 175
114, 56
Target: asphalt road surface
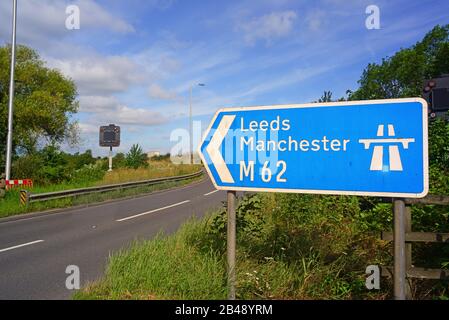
35, 251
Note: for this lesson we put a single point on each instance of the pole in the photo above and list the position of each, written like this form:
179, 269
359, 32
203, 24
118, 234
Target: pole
231, 239
190, 127
408, 251
11, 93
110, 158
399, 250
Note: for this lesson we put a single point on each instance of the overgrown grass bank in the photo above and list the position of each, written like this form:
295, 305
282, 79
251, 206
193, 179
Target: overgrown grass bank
164, 268
289, 247
157, 169
10, 204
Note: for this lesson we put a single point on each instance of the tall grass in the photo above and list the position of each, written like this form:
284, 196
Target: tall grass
164, 268
157, 169
289, 246
314, 253
10, 204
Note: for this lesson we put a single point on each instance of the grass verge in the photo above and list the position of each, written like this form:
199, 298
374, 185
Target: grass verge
10, 206
288, 247
164, 268
275, 259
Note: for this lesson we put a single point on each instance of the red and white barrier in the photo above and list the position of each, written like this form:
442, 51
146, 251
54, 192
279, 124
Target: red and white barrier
16, 183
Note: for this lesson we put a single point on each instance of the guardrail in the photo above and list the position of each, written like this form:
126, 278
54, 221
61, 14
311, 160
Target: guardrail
30, 197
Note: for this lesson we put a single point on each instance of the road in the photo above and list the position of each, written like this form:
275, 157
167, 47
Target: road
35, 251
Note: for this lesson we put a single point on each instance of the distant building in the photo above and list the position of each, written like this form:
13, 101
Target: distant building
153, 153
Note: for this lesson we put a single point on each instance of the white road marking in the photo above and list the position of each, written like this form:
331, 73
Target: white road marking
209, 193
21, 245
152, 211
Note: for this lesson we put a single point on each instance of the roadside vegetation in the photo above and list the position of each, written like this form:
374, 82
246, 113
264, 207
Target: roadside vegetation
292, 246
54, 170
288, 247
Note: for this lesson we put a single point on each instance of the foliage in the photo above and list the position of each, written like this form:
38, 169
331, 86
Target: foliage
438, 144
119, 161
44, 102
162, 157
403, 74
314, 252
326, 97
88, 172
156, 170
215, 236
136, 158
51, 165
79, 160
164, 267
10, 204
28, 167
54, 165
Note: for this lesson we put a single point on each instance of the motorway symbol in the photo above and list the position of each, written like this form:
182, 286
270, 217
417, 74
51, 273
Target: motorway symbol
395, 158
376, 148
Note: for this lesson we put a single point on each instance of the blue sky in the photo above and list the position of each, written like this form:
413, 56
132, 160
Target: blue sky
133, 61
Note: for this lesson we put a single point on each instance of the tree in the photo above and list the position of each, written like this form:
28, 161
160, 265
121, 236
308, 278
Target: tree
77, 161
119, 160
326, 97
44, 102
403, 74
136, 158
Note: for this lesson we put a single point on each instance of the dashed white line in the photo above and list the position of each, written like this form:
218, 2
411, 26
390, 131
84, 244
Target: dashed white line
209, 193
21, 245
152, 211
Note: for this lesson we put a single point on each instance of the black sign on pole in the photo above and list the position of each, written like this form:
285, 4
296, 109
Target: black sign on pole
110, 136
436, 92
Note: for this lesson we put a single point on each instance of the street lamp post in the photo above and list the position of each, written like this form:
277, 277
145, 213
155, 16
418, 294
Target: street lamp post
191, 122
11, 93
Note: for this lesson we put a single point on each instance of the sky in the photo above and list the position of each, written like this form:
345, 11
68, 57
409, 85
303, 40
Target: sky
134, 61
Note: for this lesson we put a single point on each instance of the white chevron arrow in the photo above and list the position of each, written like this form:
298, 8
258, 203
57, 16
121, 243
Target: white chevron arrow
213, 149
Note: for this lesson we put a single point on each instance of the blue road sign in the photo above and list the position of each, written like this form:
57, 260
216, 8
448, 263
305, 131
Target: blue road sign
376, 148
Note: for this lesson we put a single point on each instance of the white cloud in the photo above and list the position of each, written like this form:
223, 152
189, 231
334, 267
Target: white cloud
98, 104
97, 75
315, 20
108, 109
93, 15
157, 92
268, 27
296, 76
42, 22
161, 4
137, 116
86, 128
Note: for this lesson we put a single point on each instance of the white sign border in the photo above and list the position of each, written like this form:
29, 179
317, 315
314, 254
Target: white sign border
320, 105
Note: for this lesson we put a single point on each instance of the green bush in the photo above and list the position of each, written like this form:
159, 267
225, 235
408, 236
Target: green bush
88, 173
51, 166
44, 167
78, 160
136, 158
439, 144
28, 167
119, 161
